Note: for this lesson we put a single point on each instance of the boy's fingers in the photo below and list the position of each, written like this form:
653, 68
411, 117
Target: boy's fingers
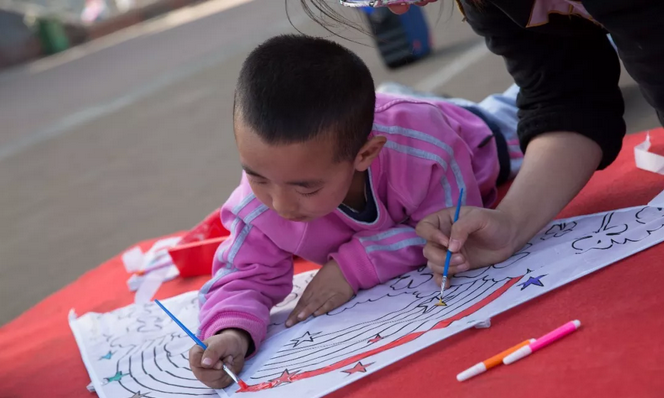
209, 375
315, 304
216, 377
220, 365
292, 318
303, 310
328, 306
301, 304
218, 383
221, 383
212, 355
195, 356
236, 366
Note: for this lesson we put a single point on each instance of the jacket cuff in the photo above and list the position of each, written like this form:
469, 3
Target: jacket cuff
356, 266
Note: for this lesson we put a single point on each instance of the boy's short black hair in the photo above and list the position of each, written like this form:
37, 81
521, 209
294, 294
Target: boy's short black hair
294, 88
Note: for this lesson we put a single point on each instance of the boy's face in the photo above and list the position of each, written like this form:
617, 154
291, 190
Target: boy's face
300, 181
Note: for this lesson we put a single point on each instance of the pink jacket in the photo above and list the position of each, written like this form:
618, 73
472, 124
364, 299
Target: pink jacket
432, 151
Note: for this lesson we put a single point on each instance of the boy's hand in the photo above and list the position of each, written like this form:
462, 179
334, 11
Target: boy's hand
479, 238
229, 346
327, 291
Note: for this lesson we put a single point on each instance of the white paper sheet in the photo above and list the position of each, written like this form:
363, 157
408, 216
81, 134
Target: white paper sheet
147, 353
657, 201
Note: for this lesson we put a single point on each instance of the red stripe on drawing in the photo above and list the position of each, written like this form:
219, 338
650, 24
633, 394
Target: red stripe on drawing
398, 342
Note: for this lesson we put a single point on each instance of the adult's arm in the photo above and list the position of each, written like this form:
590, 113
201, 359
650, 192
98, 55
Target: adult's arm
570, 110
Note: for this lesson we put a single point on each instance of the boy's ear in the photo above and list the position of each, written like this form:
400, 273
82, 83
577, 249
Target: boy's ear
368, 152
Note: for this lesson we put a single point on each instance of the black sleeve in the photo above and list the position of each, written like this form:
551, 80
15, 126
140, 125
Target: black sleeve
637, 27
568, 83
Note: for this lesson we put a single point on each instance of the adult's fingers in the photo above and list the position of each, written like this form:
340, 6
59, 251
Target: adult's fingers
464, 266
463, 228
436, 256
429, 228
438, 278
458, 263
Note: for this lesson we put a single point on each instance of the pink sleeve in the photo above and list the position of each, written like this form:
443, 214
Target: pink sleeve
250, 275
371, 258
426, 162
437, 143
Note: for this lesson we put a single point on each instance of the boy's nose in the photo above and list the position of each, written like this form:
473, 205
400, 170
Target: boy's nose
287, 209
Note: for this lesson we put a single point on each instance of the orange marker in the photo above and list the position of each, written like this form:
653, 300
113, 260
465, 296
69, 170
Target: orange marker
491, 362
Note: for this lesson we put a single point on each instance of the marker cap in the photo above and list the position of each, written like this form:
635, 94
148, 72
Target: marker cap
518, 354
471, 372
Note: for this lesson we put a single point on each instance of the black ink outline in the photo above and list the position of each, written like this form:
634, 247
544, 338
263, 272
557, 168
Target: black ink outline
559, 230
609, 239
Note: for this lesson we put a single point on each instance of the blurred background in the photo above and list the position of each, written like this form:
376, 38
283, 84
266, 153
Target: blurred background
115, 117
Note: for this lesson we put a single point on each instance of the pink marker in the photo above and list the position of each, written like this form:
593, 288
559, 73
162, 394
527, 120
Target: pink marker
542, 342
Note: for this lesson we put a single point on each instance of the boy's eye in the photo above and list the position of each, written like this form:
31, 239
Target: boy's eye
258, 181
307, 194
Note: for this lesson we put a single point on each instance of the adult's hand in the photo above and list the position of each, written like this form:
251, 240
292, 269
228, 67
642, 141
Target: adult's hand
555, 168
479, 238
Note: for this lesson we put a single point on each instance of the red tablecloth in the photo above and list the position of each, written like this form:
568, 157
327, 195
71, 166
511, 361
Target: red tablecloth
617, 353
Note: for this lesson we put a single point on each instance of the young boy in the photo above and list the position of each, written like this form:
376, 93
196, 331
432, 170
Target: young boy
333, 173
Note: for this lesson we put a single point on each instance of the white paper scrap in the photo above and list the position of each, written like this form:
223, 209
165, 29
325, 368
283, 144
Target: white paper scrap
647, 160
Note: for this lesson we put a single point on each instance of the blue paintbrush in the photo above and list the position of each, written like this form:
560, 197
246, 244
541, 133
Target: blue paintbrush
449, 253
200, 343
